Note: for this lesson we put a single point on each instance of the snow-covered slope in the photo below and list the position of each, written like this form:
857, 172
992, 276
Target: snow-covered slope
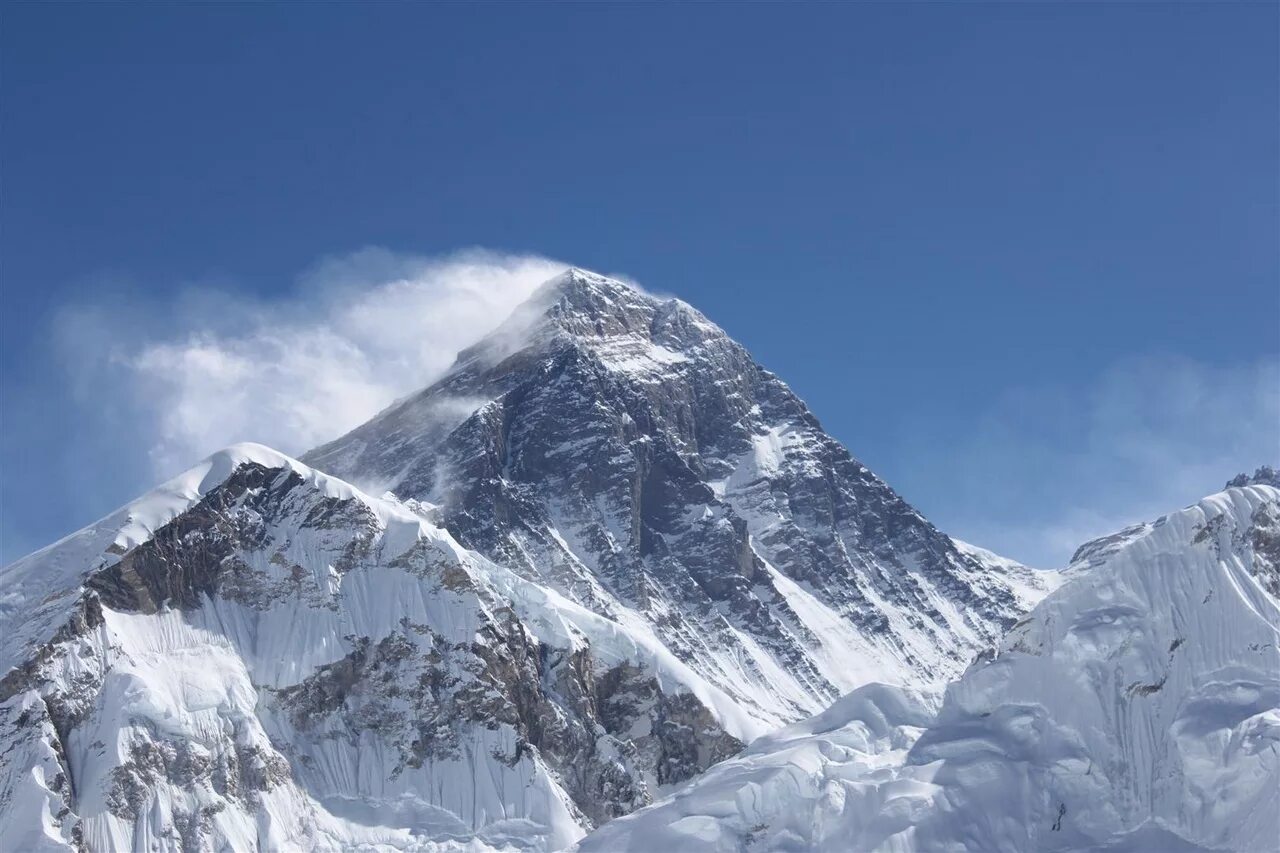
257, 655
1136, 708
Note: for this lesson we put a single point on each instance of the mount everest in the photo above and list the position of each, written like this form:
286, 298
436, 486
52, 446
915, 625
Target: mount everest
602, 575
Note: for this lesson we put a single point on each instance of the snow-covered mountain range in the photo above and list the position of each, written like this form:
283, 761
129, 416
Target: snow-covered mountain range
605, 552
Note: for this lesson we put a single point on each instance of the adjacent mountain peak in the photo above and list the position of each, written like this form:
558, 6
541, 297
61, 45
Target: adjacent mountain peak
37, 590
1097, 551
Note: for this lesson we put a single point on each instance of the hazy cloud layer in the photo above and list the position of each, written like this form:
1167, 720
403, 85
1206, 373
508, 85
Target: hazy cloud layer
1050, 467
217, 367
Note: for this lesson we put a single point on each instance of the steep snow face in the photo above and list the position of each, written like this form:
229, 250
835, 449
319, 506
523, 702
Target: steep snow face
624, 451
259, 656
1142, 696
1136, 708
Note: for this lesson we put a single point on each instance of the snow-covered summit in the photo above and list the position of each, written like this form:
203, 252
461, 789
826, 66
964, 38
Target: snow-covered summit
626, 326
599, 303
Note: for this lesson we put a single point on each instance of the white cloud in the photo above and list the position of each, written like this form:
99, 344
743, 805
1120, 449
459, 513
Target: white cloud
216, 367
1050, 467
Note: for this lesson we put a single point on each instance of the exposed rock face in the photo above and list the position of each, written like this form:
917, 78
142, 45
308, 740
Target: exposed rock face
625, 451
1264, 476
620, 551
287, 638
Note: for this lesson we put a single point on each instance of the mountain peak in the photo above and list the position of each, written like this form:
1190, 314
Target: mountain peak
589, 295
624, 449
584, 308
576, 283
1264, 476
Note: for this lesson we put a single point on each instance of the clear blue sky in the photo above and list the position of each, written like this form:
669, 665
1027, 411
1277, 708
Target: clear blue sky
1017, 256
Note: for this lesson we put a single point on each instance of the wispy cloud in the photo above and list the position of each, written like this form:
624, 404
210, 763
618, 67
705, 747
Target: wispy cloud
214, 366
1050, 467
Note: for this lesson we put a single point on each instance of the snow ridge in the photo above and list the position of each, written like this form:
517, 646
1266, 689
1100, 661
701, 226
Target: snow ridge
231, 677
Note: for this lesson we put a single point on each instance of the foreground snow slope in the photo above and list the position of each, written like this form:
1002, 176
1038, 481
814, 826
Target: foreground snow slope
259, 656
1136, 708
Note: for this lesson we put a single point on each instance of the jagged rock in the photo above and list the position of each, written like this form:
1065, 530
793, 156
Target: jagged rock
1265, 475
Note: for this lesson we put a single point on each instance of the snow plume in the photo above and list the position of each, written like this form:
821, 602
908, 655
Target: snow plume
216, 367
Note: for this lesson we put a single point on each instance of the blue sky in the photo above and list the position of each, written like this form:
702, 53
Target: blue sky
1021, 259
